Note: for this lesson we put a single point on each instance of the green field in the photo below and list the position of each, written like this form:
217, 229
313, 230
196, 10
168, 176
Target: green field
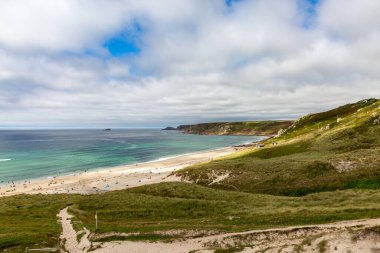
316, 174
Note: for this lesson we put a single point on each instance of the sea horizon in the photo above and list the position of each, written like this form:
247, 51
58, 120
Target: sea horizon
66, 151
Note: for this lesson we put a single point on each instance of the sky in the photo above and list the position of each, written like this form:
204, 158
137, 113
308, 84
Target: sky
129, 63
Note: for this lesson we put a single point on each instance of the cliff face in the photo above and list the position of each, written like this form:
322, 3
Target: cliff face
267, 128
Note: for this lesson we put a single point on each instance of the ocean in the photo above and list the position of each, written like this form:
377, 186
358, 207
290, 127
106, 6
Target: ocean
27, 154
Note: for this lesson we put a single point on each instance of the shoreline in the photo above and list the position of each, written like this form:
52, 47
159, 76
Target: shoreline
78, 171
114, 178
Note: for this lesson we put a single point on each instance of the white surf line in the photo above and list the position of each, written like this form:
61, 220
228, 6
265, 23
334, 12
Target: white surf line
5, 160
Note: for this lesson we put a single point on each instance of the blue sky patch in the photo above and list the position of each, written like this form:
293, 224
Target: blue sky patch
312, 6
311, 13
126, 42
119, 46
229, 3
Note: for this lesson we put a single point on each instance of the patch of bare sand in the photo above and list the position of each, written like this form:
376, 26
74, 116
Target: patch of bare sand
217, 177
344, 166
69, 235
342, 237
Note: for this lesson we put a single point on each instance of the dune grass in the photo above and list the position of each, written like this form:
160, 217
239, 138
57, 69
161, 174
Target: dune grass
31, 220
312, 156
322, 171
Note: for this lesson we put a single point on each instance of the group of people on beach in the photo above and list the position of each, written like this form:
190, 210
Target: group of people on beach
83, 183
11, 186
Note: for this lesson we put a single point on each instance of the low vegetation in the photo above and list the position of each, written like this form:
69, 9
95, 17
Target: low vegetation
266, 128
31, 220
335, 150
324, 168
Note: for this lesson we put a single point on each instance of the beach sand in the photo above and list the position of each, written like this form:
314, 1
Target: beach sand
113, 178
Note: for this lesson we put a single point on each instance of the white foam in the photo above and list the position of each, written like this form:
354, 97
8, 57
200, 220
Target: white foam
5, 160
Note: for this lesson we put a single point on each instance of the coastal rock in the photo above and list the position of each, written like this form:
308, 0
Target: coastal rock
266, 128
170, 128
280, 132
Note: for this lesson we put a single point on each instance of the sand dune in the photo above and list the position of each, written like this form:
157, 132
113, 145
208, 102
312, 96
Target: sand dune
342, 237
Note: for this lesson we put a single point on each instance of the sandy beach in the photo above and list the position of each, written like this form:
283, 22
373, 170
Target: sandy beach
113, 178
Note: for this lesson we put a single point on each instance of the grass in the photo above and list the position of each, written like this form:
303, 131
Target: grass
283, 150
317, 174
178, 206
80, 235
350, 114
309, 158
237, 128
30, 221
291, 175
322, 246
229, 250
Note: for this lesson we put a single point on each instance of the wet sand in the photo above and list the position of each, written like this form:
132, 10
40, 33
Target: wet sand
114, 178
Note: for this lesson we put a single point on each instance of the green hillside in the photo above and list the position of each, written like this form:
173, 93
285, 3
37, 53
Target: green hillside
324, 168
337, 149
267, 128
31, 221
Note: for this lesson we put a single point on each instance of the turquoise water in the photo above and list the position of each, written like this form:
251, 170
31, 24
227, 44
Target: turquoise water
26, 154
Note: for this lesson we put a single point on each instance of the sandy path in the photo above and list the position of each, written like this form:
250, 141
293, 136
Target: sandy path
115, 178
69, 235
335, 237
341, 224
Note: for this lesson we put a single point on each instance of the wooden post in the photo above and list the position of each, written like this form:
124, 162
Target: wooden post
96, 220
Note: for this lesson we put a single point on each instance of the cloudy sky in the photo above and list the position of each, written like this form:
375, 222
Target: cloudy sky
114, 63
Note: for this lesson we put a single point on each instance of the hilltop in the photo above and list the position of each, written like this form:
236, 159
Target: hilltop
323, 168
336, 149
265, 128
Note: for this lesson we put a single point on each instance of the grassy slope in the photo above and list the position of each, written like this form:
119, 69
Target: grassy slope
31, 220
306, 160
237, 128
316, 154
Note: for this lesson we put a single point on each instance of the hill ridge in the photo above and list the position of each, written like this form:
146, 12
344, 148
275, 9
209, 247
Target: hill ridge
264, 128
318, 152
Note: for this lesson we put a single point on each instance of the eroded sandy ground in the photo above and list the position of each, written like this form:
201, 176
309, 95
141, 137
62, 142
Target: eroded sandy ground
343, 237
69, 235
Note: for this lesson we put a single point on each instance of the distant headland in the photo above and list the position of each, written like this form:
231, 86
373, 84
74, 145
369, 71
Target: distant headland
265, 128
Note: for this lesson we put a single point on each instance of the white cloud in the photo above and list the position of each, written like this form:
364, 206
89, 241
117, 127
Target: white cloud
199, 60
353, 20
57, 25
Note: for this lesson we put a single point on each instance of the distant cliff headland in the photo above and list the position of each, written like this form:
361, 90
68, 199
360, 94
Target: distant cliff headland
267, 128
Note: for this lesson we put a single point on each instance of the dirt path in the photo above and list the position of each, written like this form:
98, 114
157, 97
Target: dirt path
69, 235
341, 237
